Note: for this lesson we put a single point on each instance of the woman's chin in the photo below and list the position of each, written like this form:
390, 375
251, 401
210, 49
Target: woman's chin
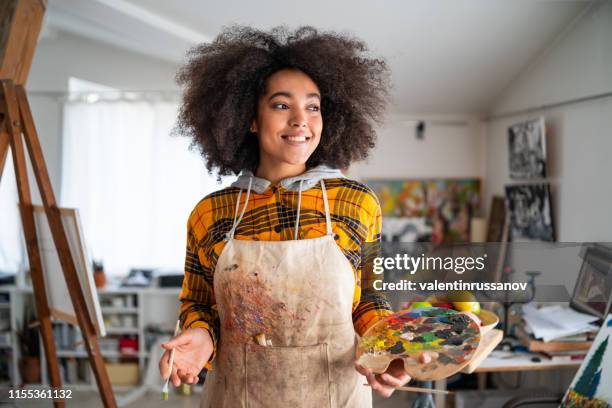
295, 161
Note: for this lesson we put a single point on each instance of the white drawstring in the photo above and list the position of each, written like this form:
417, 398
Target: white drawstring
327, 217
297, 218
230, 233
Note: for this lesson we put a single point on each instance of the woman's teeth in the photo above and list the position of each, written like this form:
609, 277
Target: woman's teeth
296, 138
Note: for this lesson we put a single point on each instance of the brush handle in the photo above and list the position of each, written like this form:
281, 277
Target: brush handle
171, 362
422, 390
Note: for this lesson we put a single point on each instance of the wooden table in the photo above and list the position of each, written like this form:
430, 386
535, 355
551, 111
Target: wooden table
506, 361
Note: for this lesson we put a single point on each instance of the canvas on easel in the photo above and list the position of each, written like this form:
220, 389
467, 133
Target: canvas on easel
57, 291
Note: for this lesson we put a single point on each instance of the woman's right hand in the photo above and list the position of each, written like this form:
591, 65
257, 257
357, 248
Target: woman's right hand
193, 350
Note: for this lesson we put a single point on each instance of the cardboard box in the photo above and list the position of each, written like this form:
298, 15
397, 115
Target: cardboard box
122, 373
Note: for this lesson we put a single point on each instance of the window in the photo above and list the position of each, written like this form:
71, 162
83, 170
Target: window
133, 183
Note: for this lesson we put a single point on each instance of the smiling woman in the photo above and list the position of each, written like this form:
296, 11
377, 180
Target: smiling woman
274, 290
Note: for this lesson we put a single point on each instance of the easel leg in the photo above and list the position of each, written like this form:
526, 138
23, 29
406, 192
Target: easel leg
63, 250
27, 218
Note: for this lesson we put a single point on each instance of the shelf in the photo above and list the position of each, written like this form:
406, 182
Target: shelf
119, 310
122, 330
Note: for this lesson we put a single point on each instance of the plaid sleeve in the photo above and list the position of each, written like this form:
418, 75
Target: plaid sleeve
197, 297
372, 306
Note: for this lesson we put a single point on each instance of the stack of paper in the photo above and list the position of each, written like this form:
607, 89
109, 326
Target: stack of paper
553, 322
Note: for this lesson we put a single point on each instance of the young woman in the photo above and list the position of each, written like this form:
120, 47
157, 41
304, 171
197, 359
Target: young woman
275, 290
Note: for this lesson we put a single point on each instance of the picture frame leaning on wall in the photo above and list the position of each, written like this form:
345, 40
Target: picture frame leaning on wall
593, 289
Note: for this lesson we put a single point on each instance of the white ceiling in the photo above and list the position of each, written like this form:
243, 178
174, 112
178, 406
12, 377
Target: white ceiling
446, 56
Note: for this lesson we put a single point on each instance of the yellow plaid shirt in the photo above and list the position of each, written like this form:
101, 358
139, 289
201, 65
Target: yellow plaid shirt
356, 219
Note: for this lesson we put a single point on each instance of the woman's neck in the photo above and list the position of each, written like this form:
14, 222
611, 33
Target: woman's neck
278, 172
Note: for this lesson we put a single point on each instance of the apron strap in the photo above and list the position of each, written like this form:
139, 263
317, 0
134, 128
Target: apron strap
297, 218
231, 232
327, 217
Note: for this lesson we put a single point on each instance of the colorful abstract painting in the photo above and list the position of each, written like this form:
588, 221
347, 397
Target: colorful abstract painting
448, 337
591, 386
446, 205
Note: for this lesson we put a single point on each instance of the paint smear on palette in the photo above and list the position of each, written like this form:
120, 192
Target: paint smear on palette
450, 338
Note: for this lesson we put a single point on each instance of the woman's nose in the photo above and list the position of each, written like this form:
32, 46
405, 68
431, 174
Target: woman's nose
298, 119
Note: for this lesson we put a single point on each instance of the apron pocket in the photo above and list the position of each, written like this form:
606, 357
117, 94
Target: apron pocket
287, 376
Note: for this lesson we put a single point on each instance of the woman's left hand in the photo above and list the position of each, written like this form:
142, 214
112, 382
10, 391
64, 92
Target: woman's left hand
395, 376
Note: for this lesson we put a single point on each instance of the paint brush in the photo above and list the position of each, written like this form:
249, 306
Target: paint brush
422, 390
165, 388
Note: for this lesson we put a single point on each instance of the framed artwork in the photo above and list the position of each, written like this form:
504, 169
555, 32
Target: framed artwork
447, 205
527, 149
593, 288
58, 296
591, 385
530, 213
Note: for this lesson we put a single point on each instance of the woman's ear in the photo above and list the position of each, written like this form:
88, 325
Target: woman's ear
253, 128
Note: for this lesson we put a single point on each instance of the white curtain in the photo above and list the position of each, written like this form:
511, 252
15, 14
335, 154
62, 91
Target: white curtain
133, 183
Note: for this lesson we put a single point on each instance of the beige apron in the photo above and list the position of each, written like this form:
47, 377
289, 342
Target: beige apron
299, 293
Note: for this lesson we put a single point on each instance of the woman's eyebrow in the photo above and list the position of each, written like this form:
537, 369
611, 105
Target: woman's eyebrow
288, 95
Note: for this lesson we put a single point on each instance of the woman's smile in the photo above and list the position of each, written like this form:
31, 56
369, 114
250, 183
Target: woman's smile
299, 139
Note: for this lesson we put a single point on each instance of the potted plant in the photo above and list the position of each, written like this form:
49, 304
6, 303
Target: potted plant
29, 346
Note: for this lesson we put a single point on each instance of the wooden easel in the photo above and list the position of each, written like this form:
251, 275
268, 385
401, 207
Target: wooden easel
20, 23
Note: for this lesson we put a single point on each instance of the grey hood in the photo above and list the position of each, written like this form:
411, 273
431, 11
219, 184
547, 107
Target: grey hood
308, 179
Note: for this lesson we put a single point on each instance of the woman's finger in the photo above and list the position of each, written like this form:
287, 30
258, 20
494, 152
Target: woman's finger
163, 365
174, 376
391, 380
181, 339
182, 375
382, 387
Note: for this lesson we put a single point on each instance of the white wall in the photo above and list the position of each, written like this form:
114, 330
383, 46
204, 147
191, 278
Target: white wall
63, 55
446, 151
579, 136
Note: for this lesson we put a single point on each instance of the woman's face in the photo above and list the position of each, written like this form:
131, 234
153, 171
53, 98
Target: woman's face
289, 121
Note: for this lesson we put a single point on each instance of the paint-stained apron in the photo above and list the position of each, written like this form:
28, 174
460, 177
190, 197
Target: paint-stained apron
299, 294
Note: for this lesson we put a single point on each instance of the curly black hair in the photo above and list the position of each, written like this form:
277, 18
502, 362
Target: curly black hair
223, 81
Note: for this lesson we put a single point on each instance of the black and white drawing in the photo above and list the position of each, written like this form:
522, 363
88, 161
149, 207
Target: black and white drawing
527, 148
530, 212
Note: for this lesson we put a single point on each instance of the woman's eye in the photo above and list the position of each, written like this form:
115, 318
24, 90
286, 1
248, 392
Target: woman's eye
315, 108
280, 106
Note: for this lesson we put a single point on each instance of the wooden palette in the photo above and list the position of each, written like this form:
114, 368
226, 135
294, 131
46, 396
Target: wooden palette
449, 337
